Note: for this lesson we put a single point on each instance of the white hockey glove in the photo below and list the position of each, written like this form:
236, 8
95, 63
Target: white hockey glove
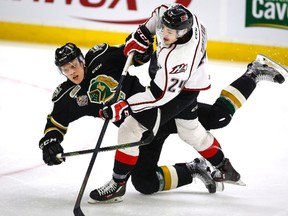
138, 41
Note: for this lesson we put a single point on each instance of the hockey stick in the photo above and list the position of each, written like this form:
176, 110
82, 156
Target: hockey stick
146, 141
77, 208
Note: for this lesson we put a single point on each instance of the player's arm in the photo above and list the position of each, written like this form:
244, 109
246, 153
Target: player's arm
55, 128
140, 40
50, 143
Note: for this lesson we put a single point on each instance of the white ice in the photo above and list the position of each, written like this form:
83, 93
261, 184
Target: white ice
256, 141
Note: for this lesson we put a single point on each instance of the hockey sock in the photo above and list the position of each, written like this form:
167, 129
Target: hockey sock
213, 154
171, 177
236, 94
123, 165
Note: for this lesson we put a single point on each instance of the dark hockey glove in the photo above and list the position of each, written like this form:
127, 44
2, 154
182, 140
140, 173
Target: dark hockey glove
138, 41
142, 58
116, 111
51, 148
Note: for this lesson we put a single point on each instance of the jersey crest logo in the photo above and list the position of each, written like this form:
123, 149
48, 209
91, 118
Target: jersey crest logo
82, 100
102, 89
179, 69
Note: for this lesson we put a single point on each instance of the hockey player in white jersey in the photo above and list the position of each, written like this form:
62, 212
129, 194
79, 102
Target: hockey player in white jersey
180, 75
147, 177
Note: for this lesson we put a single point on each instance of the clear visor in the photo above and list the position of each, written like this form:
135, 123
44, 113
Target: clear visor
179, 33
71, 66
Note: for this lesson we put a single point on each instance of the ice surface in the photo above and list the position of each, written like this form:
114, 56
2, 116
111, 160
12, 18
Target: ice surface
256, 141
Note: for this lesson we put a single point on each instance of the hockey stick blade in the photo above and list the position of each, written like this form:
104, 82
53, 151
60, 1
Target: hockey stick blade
78, 212
270, 62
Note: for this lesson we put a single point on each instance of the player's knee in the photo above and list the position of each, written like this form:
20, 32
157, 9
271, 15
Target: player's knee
222, 122
144, 185
220, 115
191, 131
198, 137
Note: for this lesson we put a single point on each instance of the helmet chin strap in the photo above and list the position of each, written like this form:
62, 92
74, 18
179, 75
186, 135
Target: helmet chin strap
181, 33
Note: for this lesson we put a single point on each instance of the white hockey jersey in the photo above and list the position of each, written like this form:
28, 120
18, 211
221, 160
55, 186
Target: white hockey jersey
181, 66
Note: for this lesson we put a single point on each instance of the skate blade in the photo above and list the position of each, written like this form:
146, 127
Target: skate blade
219, 186
114, 200
239, 182
270, 62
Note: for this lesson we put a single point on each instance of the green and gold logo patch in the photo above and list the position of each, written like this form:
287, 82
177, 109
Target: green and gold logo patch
102, 89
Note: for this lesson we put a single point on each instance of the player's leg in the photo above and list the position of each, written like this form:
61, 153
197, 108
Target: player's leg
125, 159
233, 97
144, 175
148, 178
192, 132
131, 130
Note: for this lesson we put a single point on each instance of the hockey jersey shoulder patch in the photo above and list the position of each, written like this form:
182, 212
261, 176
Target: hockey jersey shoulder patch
63, 89
95, 52
99, 48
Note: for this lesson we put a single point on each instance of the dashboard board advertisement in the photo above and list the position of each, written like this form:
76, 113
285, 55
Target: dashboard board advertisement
239, 27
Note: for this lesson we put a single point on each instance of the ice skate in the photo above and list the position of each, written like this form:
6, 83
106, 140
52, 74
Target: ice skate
227, 174
264, 68
111, 192
270, 62
200, 170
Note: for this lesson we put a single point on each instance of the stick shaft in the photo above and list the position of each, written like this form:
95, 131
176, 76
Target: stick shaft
77, 208
109, 148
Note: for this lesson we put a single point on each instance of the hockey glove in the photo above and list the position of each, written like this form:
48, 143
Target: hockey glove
142, 58
116, 111
138, 41
50, 148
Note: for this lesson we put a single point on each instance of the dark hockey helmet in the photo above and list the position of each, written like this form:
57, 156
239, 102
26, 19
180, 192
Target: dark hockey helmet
67, 53
178, 17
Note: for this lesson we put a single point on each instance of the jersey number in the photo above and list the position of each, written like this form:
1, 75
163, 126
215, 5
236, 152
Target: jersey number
176, 83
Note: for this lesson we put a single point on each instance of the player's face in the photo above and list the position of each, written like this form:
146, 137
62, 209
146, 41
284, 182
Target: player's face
74, 71
169, 35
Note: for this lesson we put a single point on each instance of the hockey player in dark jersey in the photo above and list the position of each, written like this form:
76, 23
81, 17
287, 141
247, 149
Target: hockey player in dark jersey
90, 84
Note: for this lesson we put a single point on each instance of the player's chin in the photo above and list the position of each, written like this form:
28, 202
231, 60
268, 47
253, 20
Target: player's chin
76, 79
166, 41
